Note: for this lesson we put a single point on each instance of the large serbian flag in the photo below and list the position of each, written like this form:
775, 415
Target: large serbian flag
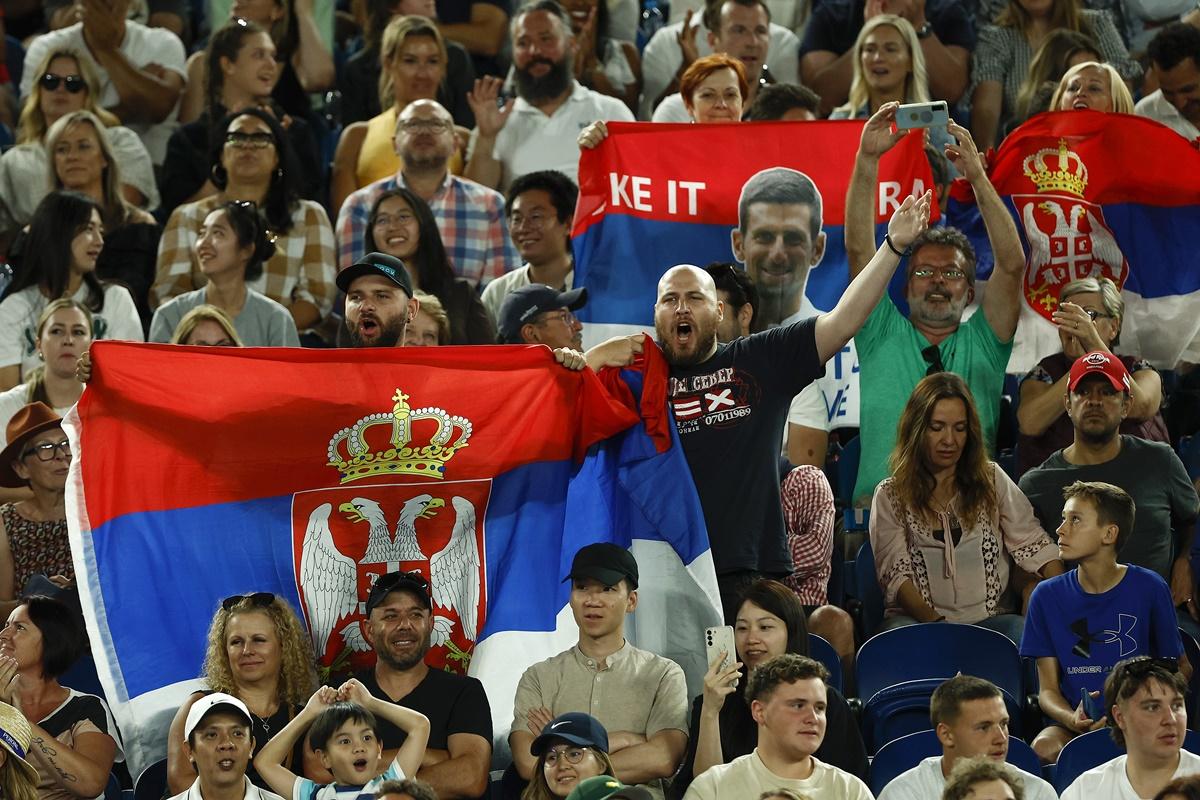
202, 473
655, 195
1101, 194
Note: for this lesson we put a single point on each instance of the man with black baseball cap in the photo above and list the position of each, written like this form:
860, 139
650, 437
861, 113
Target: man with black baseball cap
640, 698
538, 314
379, 300
399, 628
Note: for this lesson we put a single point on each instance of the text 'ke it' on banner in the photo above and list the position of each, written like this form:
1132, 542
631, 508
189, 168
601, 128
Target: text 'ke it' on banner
203, 473
1094, 194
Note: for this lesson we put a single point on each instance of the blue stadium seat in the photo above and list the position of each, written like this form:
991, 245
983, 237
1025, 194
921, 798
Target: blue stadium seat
937, 650
152, 783
112, 791
820, 649
1093, 749
1191, 649
900, 755
903, 708
869, 593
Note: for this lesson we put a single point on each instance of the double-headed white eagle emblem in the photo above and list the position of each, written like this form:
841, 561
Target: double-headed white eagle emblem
329, 578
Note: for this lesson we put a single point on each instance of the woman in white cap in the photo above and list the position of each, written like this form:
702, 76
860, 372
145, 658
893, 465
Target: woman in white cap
73, 733
18, 778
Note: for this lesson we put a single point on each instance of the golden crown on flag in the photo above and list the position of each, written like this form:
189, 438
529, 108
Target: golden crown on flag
352, 454
1062, 179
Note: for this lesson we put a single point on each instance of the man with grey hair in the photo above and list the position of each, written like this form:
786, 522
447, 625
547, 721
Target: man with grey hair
896, 351
538, 129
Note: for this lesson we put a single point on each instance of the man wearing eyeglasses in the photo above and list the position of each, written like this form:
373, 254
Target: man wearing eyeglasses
399, 628
470, 217
895, 351
1147, 716
537, 314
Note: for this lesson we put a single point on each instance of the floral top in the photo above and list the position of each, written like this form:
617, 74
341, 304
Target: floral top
963, 578
37, 548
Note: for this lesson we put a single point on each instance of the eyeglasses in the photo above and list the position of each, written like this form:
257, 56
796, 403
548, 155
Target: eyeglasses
949, 274
424, 125
535, 220
255, 599
933, 357
73, 83
385, 220
1093, 314
572, 755
48, 451
562, 315
256, 141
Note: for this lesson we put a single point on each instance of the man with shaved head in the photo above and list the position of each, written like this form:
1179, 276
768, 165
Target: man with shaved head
731, 400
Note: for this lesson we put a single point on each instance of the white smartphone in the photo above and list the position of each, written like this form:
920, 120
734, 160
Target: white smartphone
717, 640
922, 115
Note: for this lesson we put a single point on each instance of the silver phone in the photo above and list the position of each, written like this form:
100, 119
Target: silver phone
717, 640
922, 115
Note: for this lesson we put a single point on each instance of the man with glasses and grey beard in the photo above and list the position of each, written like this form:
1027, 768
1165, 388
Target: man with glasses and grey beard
469, 217
895, 351
538, 129
398, 627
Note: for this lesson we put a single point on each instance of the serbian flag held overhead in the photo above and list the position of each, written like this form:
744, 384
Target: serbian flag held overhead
1111, 195
203, 473
655, 195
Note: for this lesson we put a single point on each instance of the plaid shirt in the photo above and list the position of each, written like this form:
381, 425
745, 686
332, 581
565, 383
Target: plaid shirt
301, 269
808, 514
469, 216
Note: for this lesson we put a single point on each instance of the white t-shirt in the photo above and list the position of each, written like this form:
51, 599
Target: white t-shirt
142, 46
531, 141
13, 400
1156, 107
1109, 781
19, 317
926, 781
831, 401
252, 792
747, 777
671, 109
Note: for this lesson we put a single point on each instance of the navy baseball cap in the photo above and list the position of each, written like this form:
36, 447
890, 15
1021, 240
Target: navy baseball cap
522, 305
605, 562
574, 727
389, 267
412, 582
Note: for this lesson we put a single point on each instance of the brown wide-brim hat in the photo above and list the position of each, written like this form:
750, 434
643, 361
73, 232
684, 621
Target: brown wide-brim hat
25, 424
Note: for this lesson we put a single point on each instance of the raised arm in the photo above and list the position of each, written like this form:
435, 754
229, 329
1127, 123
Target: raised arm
312, 61
838, 326
414, 724
1002, 301
269, 761
877, 139
489, 121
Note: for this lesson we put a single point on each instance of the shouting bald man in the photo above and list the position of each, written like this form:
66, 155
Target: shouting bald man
731, 400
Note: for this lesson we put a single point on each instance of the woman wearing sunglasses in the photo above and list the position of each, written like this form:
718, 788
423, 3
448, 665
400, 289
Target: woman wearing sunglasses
64, 86
260, 653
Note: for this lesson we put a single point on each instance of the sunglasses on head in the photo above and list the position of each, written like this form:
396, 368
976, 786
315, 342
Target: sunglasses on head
73, 83
393, 579
256, 599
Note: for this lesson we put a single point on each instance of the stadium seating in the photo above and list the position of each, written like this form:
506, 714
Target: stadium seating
820, 649
904, 753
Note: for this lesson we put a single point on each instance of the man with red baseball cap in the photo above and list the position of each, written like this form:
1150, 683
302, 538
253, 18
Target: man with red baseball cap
1097, 400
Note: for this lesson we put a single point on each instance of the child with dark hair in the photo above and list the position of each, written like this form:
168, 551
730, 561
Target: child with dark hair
344, 735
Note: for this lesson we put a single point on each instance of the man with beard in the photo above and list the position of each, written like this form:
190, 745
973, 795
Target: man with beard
470, 217
379, 302
731, 401
538, 129
398, 627
894, 351
1097, 400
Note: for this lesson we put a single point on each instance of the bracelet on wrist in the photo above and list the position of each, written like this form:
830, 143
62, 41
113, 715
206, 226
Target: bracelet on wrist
887, 238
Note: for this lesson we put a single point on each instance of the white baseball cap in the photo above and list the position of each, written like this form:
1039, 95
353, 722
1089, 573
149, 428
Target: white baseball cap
208, 703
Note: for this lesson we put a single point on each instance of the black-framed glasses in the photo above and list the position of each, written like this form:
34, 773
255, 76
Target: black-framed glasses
947, 273
255, 599
571, 755
257, 140
72, 83
933, 357
48, 451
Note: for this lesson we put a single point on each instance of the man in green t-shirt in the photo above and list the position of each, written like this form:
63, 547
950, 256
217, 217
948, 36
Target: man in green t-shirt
895, 351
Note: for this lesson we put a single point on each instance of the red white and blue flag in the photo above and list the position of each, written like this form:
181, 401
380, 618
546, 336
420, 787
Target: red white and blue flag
202, 473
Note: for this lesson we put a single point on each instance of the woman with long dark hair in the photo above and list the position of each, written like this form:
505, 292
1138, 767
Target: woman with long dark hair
948, 526
402, 225
253, 161
64, 243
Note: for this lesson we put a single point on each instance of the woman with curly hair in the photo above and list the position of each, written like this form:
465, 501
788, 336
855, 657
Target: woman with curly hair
947, 527
259, 652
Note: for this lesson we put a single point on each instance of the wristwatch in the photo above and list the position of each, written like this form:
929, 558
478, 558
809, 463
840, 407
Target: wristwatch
924, 31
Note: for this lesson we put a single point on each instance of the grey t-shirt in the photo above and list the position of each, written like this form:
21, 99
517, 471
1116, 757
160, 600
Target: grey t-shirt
262, 323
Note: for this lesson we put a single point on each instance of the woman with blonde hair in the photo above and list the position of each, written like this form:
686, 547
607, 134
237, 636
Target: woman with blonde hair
1002, 58
65, 83
572, 747
413, 56
1092, 86
949, 524
206, 326
18, 777
259, 652
64, 333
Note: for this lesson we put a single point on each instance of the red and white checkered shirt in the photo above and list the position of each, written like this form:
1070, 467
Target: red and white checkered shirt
808, 514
